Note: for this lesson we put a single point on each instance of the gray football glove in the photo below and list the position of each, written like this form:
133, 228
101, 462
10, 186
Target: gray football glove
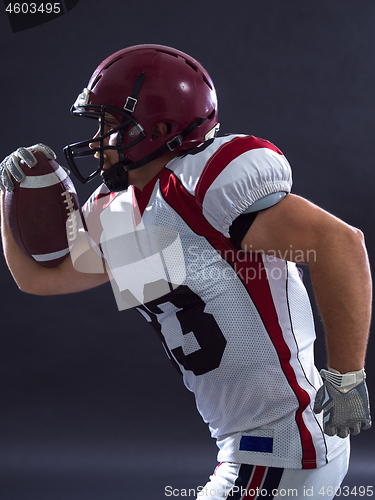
343, 398
10, 166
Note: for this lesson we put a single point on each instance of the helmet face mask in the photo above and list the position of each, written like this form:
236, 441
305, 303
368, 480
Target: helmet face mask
140, 86
128, 126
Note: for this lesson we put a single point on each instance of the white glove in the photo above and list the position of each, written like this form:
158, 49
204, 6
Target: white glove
10, 166
343, 398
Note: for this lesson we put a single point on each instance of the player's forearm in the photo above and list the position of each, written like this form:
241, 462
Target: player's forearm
23, 269
343, 288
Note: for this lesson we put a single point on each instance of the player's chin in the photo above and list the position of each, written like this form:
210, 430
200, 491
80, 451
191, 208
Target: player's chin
106, 163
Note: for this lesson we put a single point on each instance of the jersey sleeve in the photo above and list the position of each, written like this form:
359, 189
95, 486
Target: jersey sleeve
241, 172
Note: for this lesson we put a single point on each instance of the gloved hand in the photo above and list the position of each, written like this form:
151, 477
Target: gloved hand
343, 398
10, 167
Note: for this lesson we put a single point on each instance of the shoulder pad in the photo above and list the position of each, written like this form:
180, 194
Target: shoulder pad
266, 202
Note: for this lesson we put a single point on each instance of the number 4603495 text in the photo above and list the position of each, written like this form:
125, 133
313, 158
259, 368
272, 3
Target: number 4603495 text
34, 8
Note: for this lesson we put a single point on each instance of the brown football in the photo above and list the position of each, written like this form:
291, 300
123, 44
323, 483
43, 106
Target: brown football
41, 212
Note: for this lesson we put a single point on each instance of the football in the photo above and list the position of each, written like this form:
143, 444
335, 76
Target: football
41, 212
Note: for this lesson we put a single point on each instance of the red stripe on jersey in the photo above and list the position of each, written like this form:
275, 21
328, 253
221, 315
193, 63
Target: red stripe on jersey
223, 156
254, 277
142, 197
251, 271
216, 468
185, 205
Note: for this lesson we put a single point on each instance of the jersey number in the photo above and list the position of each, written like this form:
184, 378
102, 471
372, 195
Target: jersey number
193, 319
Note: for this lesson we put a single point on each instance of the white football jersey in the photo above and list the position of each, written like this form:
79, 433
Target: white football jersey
238, 326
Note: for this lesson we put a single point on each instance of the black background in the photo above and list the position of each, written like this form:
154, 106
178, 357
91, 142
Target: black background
90, 406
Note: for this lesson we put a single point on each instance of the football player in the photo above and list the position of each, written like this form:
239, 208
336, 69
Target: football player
201, 234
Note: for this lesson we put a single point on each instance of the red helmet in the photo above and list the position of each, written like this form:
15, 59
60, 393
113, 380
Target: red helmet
140, 86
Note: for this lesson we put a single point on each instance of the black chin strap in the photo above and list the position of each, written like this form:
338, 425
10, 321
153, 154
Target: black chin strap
116, 177
132, 100
170, 146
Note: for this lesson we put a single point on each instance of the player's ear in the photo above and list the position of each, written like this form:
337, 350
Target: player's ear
159, 129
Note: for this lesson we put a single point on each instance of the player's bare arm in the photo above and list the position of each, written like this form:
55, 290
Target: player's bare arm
340, 273
65, 278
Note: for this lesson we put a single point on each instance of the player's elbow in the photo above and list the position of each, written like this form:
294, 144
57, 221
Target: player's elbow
339, 243
359, 235
356, 238
351, 242
38, 281
360, 244
32, 287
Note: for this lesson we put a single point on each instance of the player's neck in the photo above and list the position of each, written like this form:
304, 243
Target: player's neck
140, 177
